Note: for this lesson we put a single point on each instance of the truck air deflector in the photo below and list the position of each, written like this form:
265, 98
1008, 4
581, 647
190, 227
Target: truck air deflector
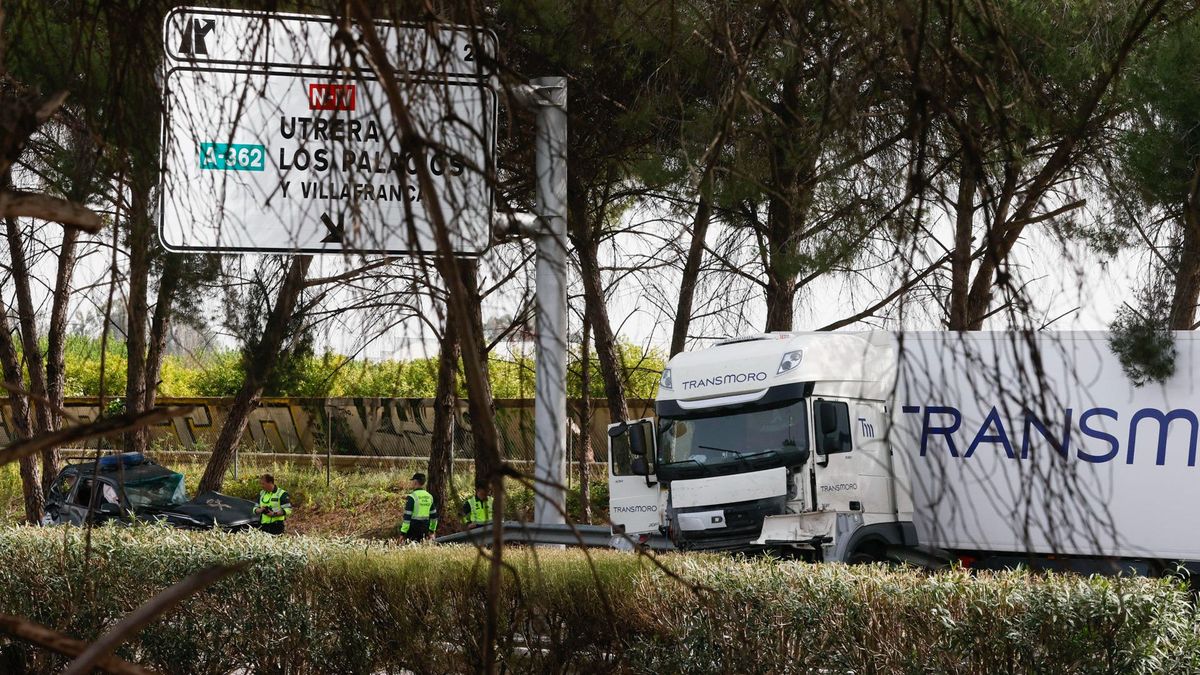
708, 403
709, 406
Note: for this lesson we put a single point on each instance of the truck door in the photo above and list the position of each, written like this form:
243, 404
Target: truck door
633, 490
836, 474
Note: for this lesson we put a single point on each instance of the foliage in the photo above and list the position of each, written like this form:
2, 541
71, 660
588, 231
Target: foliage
83, 367
1143, 342
1160, 145
358, 607
1153, 180
220, 373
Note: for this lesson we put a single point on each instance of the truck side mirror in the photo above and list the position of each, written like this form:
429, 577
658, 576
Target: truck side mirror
637, 441
617, 429
826, 422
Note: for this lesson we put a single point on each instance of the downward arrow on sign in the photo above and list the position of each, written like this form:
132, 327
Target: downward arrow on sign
335, 231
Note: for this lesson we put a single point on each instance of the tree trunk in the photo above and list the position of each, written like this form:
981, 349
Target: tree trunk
583, 237
793, 166
586, 456
607, 352
691, 268
32, 351
987, 277
445, 409
259, 366
56, 337
960, 258
31, 488
469, 275
137, 316
596, 314
781, 301
159, 326
1187, 277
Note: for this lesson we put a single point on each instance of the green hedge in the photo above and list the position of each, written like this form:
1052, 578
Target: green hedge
320, 606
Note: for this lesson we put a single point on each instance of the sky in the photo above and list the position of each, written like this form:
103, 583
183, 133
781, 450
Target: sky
1074, 287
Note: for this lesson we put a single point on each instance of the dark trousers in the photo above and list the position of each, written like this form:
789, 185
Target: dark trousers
273, 528
417, 530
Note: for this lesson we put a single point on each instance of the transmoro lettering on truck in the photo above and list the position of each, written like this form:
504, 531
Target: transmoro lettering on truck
641, 508
993, 432
733, 378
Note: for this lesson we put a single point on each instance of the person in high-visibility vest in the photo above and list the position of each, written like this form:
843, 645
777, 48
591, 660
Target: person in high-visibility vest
477, 510
274, 505
420, 512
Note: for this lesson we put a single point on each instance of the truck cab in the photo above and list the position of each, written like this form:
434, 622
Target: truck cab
773, 441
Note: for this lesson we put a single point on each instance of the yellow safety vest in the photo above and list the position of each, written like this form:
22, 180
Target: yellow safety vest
422, 508
274, 502
479, 512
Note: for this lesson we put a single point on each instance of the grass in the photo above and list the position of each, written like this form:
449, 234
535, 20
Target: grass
358, 503
358, 606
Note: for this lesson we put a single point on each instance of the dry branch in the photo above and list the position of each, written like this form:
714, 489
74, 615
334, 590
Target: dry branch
21, 204
38, 635
141, 617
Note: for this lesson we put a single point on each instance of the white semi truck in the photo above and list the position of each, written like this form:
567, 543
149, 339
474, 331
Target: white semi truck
989, 448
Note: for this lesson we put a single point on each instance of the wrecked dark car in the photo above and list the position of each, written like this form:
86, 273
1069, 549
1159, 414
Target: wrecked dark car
129, 487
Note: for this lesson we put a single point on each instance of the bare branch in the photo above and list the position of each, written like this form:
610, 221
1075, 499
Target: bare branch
38, 635
21, 204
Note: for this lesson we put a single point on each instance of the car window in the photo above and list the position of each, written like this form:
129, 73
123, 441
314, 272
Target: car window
84, 494
107, 494
159, 491
62, 487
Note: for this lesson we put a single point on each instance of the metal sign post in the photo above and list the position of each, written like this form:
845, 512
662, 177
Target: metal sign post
547, 96
275, 140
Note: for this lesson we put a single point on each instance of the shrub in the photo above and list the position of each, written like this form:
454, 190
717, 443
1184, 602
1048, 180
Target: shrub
312, 606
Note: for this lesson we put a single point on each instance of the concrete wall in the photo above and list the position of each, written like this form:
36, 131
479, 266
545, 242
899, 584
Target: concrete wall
350, 426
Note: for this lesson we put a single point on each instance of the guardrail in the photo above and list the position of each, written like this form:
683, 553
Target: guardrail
588, 536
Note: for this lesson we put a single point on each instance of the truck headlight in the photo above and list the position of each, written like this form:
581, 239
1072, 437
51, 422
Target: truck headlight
665, 382
789, 361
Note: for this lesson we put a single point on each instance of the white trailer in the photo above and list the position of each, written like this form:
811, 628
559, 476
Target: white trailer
986, 447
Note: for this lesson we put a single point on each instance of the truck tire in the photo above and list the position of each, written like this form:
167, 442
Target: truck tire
867, 553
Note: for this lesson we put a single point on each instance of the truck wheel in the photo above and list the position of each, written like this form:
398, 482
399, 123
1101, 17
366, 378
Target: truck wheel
866, 554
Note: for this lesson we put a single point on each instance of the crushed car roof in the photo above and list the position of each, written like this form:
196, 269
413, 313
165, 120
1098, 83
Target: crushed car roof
134, 468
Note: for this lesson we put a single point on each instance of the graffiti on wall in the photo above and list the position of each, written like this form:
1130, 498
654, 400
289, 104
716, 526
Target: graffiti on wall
389, 427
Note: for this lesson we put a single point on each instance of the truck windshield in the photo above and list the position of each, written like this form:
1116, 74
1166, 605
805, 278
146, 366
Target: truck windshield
159, 491
732, 442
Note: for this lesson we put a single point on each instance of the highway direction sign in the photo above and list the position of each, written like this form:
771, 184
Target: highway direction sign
272, 143
241, 38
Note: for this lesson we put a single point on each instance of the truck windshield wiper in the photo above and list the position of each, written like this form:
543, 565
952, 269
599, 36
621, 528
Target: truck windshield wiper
702, 465
710, 447
741, 457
